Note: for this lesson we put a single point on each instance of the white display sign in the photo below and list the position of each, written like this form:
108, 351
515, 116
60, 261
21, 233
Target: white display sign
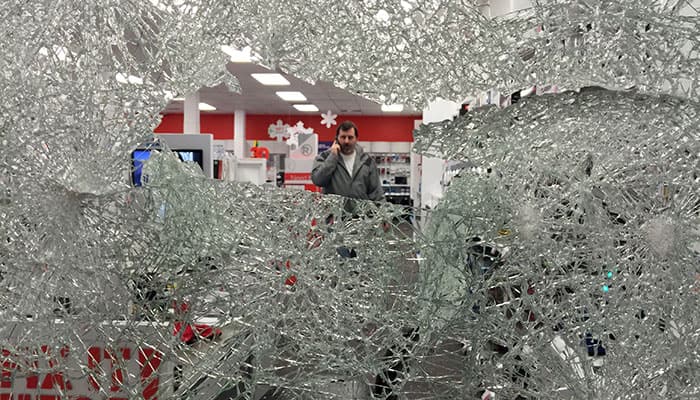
306, 148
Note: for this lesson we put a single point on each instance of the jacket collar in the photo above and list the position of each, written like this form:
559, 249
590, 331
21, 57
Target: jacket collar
359, 151
360, 158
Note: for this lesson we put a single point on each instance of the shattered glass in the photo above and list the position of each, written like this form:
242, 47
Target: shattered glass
567, 257
564, 265
394, 51
150, 268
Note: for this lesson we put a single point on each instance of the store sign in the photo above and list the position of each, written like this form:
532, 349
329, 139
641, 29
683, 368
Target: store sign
218, 151
305, 148
297, 176
91, 370
109, 370
323, 146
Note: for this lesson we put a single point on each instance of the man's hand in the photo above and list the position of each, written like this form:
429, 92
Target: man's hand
335, 149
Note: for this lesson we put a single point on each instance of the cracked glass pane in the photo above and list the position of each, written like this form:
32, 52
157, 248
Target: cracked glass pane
414, 51
567, 255
561, 263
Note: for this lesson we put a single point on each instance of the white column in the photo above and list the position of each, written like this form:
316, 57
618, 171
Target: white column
499, 8
239, 146
433, 168
518, 5
415, 176
191, 123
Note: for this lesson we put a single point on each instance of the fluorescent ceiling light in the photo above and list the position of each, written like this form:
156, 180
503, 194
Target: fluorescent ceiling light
291, 96
179, 99
206, 107
159, 4
135, 80
407, 6
237, 56
392, 107
59, 51
306, 107
528, 91
271, 79
382, 16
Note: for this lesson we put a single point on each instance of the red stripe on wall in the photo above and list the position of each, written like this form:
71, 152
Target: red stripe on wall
220, 125
171, 123
371, 128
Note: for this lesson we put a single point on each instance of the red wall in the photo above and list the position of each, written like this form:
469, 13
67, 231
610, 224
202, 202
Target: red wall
371, 128
220, 125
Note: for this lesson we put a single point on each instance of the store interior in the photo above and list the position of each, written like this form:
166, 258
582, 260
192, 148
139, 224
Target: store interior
161, 236
387, 130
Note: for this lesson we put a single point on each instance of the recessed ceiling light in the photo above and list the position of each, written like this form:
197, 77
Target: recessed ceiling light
528, 91
135, 80
237, 56
59, 51
206, 107
306, 107
271, 79
291, 96
382, 16
392, 107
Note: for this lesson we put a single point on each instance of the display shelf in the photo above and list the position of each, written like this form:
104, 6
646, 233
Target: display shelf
394, 174
398, 164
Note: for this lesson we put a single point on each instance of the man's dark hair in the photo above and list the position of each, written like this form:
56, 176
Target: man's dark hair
344, 126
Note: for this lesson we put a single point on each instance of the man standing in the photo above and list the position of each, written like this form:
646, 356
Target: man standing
345, 169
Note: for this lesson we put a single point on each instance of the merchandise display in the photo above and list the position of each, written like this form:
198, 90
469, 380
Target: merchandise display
564, 264
394, 172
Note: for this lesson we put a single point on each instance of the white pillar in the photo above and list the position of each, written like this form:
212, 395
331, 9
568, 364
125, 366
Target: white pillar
239, 147
433, 168
518, 5
499, 8
191, 123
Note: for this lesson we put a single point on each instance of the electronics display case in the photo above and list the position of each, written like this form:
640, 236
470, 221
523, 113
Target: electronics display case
195, 148
201, 141
395, 176
139, 156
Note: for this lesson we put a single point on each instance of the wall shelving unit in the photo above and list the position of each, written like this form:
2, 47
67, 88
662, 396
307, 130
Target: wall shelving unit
395, 176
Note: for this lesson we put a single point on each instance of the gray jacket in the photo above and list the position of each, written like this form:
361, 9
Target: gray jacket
329, 172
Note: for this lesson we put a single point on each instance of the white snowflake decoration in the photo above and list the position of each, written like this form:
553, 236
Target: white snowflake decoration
295, 131
328, 119
278, 130
299, 128
293, 142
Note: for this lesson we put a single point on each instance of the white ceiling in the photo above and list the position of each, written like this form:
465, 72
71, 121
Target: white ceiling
258, 99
